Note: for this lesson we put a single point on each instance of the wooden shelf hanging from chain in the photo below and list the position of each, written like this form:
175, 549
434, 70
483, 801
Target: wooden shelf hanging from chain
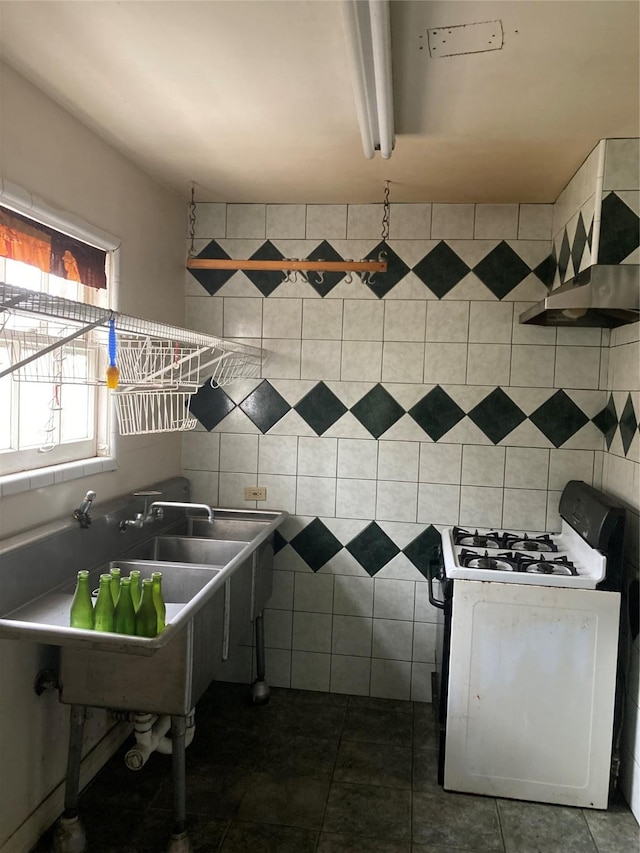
286, 265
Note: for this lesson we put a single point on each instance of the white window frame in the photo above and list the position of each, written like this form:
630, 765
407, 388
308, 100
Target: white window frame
38, 469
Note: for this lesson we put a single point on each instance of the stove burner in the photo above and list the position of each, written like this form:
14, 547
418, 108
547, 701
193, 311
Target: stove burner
516, 561
534, 543
559, 566
492, 539
499, 562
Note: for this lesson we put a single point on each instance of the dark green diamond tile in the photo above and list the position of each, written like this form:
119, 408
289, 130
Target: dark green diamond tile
441, 269
320, 408
628, 424
212, 280
607, 421
497, 415
210, 405
372, 548
436, 413
316, 544
266, 280
502, 270
558, 418
265, 406
377, 411
423, 549
619, 231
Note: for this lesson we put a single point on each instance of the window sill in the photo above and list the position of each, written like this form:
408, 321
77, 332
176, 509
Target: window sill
26, 481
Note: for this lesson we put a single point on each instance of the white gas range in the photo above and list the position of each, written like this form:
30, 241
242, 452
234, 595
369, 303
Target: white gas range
528, 655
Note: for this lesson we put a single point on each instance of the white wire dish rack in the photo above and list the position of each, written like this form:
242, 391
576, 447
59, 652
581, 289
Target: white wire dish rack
44, 338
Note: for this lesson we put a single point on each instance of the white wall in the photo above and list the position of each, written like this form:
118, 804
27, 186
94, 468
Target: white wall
50, 154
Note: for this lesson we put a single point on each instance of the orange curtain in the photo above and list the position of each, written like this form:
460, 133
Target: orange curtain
22, 239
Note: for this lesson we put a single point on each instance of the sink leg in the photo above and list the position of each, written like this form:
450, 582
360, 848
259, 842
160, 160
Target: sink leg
69, 834
179, 842
260, 688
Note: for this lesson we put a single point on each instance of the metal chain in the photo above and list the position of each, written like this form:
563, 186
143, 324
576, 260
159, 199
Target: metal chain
192, 220
385, 213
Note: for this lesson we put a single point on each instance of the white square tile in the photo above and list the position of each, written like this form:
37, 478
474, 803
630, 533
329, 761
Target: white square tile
286, 221
577, 367
445, 364
448, 321
204, 314
402, 362
579, 337
242, 317
393, 599
421, 681
313, 593
357, 458
621, 164
438, 504
246, 221
279, 668
239, 453
390, 679
488, 364
524, 509
496, 221
410, 221
452, 221
480, 506
523, 333
440, 463
325, 221
277, 454
353, 596
490, 322
396, 501
201, 451
352, 635
356, 499
404, 320
282, 318
205, 487
361, 361
210, 220
424, 611
312, 632
310, 671
231, 489
277, 628
281, 492
398, 460
363, 319
321, 360
322, 319
364, 221
350, 675
568, 465
532, 366
317, 456
316, 496
283, 358
424, 642
392, 639
535, 222
282, 593
483, 466
527, 467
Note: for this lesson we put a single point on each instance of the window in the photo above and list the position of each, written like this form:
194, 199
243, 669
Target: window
54, 409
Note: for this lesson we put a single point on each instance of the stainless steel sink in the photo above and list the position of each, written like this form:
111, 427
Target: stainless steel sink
233, 529
186, 549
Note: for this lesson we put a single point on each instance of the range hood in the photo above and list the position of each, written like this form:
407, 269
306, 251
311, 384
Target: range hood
604, 295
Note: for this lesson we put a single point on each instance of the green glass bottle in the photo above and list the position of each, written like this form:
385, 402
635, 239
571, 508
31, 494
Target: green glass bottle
135, 588
115, 584
158, 600
146, 616
124, 616
81, 615
103, 612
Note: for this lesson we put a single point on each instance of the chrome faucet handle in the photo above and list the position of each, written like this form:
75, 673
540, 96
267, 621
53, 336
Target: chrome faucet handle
149, 493
81, 514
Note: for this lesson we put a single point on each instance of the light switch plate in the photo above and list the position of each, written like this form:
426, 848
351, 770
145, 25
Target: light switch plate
255, 493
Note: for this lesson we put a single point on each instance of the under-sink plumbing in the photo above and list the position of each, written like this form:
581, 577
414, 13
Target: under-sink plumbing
151, 736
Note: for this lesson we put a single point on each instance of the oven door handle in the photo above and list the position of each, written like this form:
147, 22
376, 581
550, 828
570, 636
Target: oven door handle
434, 569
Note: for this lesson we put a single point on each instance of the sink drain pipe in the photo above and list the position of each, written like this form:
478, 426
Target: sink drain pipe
151, 736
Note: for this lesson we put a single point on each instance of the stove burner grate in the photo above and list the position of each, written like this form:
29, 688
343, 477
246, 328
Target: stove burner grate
515, 561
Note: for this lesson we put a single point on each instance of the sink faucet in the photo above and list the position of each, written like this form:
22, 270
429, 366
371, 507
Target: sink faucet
141, 518
156, 508
81, 514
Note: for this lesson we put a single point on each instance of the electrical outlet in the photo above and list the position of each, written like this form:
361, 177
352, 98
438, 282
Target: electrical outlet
255, 493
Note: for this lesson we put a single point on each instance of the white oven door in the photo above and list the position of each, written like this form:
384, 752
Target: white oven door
531, 692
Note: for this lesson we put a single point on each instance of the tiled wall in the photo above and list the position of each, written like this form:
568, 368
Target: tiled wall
385, 411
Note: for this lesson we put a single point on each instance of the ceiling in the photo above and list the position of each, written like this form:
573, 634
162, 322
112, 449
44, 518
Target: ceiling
253, 101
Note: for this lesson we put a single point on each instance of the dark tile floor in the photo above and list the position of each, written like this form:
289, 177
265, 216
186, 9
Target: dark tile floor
325, 773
